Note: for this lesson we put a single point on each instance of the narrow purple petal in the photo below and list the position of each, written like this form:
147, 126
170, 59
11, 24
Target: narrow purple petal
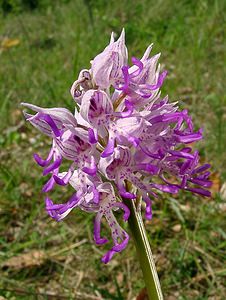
187, 149
124, 207
92, 137
148, 153
152, 169
166, 188
109, 148
199, 191
140, 66
43, 162
188, 138
108, 256
185, 167
148, 209
204, 183
51, 123
205, 175
90, 171
123, 192
63, 181
49, 185
201, 169
128, 112
159, 82
121, 246
97, 229
117, 248
74, 200
125, 87
51, 206
53, 166
181, 154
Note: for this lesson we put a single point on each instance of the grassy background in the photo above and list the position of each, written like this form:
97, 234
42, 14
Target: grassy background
41, 53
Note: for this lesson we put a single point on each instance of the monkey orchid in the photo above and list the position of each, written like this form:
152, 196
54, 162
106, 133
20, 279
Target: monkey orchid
125, 144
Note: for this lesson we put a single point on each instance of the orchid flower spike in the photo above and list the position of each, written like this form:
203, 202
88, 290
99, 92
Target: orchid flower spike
122, 132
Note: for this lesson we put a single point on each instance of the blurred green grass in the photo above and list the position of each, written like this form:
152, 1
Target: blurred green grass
54, 43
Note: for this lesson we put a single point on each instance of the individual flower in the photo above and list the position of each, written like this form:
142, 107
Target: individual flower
124, 141
107, 66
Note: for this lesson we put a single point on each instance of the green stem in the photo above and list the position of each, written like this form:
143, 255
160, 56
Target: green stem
144, 252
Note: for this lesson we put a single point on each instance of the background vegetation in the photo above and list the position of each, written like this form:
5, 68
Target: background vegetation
43, 45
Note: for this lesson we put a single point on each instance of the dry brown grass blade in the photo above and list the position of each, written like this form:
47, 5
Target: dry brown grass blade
200, 277
78, 295
36, 257
197, 248
54, 253
9, 43
25, 260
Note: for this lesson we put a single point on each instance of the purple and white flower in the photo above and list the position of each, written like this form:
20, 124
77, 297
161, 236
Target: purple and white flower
107, 66
122, 134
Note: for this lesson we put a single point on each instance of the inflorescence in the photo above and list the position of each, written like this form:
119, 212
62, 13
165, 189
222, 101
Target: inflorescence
123, 133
